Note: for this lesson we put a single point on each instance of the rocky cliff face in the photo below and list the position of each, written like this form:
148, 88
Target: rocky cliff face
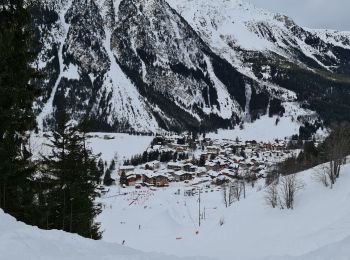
145, 65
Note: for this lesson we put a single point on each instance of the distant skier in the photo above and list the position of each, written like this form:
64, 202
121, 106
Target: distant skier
139, 227
123, 242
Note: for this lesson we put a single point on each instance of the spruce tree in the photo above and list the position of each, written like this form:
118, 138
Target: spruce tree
123, 179
107, 180
70, 176
17, 93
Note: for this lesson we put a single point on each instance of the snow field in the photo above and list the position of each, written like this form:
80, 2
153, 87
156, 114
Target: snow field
251, 229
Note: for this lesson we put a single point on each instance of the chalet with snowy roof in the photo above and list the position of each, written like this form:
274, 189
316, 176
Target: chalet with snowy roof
176, 166
205, 155
131, 179
189, 167
182, 176
126, 169
210, 166
228, 173
181, 148
220, 180
154, 165
213, 150
201, 171
158, 179
134, 177
213, 174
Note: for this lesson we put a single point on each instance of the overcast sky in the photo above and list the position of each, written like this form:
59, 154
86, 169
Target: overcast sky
331, 14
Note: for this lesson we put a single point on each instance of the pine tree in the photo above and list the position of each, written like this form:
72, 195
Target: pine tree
17, 93
123, 179
69, 173
107, 180
112, 166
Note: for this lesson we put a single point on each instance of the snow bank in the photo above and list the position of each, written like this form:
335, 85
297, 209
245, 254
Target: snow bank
19, 241
336, 251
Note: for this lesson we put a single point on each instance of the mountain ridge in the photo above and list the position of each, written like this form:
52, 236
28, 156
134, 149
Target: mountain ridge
183, 65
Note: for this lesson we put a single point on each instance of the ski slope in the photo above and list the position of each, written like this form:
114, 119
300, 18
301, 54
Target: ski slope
251, 230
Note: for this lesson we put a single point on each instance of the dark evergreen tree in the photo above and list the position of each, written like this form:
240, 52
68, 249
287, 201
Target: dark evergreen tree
112, 166
123, 179
166, 156
144, 156
17, 93
107, 180
69, 174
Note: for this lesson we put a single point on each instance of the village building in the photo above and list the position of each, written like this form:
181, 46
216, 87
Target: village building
228, 173
157, 179
201, 171
131, 179
189, 167
182, 176
220, 180
154, 165
176, 166
126, 169
213, 150
213, 174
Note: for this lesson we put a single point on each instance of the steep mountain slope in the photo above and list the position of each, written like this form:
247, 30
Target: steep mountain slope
144, 65
273, 49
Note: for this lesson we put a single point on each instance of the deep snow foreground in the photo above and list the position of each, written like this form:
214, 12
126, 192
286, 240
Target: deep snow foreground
318, 227
19, 241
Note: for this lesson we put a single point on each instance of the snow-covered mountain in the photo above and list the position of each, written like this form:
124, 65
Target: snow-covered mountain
145, 65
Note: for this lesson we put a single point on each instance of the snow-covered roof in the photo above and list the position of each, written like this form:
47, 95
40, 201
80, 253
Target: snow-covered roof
201, 169
126, 167
213, 173
174, 164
